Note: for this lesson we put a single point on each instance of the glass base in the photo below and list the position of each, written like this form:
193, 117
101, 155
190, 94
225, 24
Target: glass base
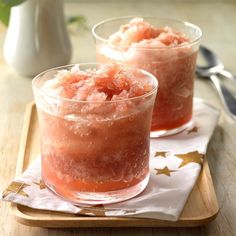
94, 198
162, 133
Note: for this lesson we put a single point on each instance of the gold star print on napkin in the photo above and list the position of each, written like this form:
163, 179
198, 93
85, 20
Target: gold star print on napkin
175, 164
160, 154
97, 210
15, 188
190, 157
164, 171
193, 130
41, 184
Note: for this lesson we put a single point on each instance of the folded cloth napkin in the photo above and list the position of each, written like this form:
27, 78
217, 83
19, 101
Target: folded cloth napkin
175, 164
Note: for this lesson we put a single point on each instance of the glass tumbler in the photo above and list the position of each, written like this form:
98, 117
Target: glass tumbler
174, 66
95, 152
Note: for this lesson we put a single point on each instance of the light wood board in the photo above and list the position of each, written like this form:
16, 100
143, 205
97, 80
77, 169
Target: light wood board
201, 207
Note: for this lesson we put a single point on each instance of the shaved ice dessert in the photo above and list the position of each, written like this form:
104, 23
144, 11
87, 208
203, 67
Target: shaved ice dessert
95, 125
165, 48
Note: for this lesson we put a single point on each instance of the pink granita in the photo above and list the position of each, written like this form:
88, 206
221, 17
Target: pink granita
95, 130
140, 33
110, 82
168, 53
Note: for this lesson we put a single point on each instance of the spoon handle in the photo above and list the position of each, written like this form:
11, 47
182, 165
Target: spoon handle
226, 96
228, 75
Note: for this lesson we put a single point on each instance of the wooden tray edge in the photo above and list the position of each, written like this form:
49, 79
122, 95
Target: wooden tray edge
73, 222
24, 137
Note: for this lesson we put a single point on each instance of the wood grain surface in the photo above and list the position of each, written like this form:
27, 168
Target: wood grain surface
217, 20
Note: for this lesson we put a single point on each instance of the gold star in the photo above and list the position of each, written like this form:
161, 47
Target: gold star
97, 210
16, 188
162, 154
41, 184
193, 130
164, 171
189, 157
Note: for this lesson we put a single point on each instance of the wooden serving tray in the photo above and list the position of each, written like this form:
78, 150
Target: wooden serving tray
200, 209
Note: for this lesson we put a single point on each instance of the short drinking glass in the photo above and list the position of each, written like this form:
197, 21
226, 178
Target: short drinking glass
164, 47
94, 151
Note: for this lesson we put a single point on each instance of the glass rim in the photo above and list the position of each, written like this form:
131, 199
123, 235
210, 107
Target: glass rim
185, 23
37, 77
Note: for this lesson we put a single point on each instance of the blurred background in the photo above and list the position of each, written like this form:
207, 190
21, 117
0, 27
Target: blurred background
210, 15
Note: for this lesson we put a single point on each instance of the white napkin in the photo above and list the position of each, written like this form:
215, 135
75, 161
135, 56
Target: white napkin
175, 164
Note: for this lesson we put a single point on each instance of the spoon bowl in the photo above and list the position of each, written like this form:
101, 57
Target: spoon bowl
214, 68
214, 65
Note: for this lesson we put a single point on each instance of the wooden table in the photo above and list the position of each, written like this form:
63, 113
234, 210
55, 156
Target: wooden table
217, 20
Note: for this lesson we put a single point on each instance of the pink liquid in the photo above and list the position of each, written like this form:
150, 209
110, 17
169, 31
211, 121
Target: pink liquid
95, 146
156, 50
107, 156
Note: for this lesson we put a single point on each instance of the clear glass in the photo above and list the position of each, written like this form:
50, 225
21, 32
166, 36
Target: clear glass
90, 153
174, 67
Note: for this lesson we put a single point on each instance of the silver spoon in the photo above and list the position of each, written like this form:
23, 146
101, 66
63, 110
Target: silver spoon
212, 71
215, 65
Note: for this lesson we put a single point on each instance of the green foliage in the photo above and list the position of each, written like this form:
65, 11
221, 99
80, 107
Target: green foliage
79, 21
5, 8
11, 3
4, 14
